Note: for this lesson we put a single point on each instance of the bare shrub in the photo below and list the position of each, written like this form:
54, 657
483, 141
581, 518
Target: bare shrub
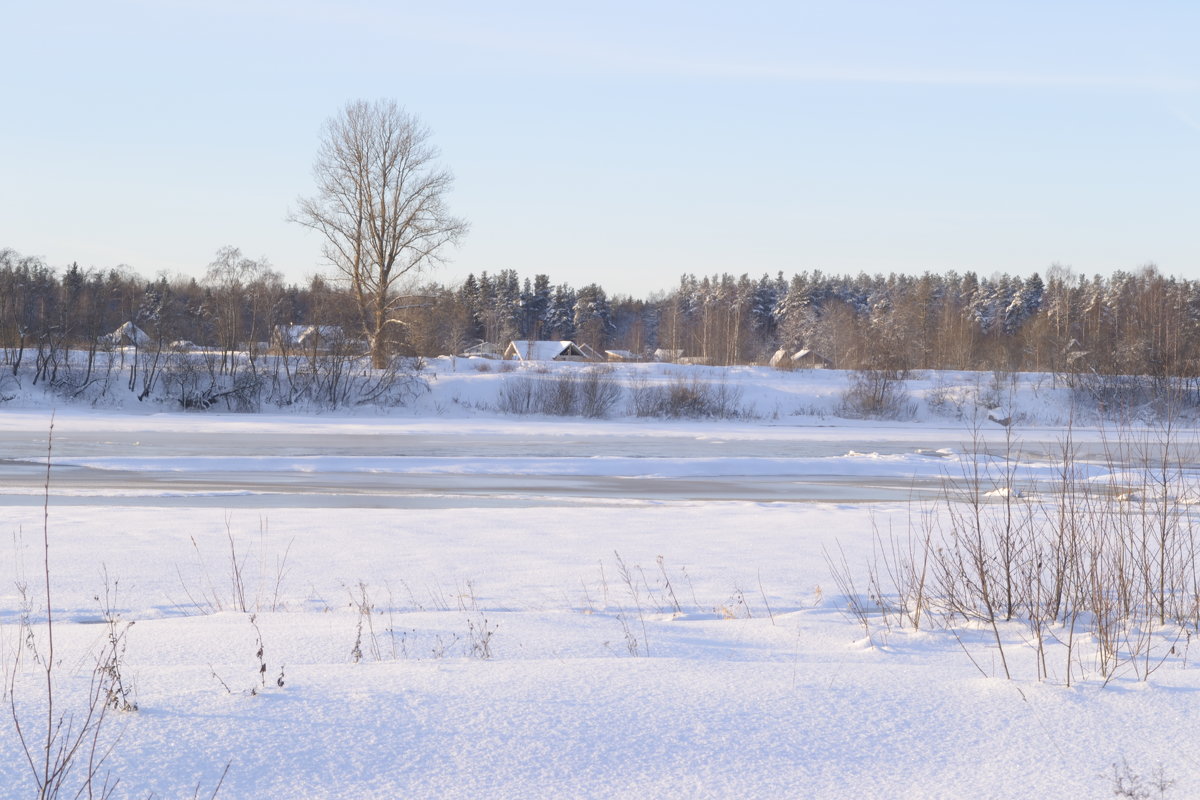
479, 637
725, 401
590, 393
558, 394
876, 393
643, 398
517, 395
682, 398
687, 398
598, 392
336, 376
947, 399
1124, 397
1135, 786
8, 384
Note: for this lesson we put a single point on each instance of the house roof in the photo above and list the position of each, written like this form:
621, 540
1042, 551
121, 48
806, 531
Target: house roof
530, 350
482, 349
128, 332
590, 352
301, 334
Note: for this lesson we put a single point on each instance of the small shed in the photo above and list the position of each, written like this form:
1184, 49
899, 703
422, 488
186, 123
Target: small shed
620, 355
533, 350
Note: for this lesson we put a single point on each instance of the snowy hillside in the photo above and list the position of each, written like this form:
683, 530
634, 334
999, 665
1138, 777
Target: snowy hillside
458, 387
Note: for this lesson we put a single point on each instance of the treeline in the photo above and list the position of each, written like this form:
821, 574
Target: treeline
1136, 323
1130, 323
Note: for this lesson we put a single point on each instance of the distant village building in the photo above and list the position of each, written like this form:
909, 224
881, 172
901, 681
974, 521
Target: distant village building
306, 337
531, 350
620, 355
126, 335
1075, 354
483, 350
800, 359
807, 359
662, 354
591, 353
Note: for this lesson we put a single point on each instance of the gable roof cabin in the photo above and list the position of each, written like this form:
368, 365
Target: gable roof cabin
809, 359
804, 358
530, 350
128, 333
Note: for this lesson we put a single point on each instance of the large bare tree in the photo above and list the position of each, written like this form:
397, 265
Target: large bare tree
380, 206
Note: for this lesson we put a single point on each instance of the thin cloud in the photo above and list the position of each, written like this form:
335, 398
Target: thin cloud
919, 77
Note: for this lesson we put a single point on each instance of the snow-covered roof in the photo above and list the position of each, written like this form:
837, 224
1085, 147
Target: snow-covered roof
810, 356
128, 333
302, 334
530, 350
482, 349
590, 352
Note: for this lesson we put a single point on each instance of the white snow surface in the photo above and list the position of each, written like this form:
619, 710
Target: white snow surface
725, 666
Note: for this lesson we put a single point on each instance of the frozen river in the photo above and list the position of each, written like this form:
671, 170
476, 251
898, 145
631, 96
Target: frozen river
241, 462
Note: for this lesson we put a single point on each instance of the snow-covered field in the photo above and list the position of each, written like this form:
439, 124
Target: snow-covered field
453, 602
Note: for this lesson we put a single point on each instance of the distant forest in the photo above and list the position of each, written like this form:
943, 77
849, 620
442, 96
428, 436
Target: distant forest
1129, 323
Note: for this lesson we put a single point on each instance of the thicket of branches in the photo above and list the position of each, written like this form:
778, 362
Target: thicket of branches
1139, 323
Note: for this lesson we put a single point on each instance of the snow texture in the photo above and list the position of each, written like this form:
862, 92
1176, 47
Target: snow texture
528, 640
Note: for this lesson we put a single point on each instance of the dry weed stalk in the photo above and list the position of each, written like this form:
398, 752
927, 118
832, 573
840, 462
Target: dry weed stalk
1098, 575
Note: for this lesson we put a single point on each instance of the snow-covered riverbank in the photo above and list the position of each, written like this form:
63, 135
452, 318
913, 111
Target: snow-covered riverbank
478, 604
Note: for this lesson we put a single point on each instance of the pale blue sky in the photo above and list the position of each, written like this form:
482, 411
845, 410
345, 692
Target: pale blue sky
625, 143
